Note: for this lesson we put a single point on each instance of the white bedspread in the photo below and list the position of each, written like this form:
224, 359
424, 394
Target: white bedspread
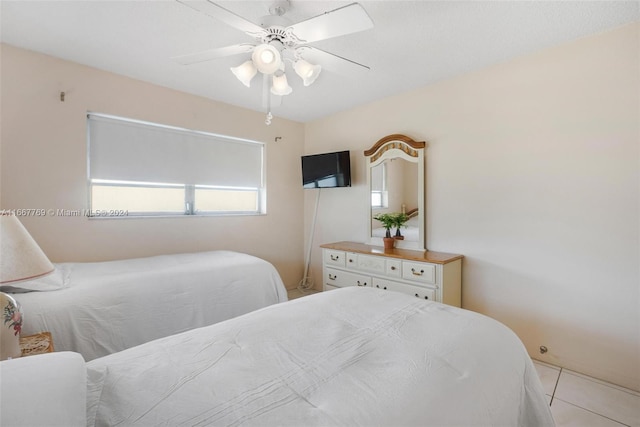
349, 357
110, 306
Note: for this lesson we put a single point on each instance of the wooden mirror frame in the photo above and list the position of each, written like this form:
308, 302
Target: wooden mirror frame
398, 146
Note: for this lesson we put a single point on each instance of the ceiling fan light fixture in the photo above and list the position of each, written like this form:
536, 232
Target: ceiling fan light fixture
307, 72
277, 39
245, 72
280, 86
266, 58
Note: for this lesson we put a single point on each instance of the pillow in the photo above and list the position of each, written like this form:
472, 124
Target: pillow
58, 279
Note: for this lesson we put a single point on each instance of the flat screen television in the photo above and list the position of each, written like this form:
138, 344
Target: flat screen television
326, 170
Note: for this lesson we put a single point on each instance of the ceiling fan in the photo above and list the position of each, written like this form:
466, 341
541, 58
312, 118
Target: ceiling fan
277, 42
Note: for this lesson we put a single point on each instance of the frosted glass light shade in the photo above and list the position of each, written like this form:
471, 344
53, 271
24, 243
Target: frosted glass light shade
20, 256
308, 72
280, 85
245, 72
266, 58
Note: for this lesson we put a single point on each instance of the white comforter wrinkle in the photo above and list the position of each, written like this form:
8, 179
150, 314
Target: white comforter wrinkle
360, 342
193, 375
293, 385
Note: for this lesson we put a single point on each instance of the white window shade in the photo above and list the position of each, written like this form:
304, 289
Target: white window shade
378, 178
126, 150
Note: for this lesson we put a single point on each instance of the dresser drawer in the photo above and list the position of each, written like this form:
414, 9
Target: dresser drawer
421, 292
419, 272
393, 268
372, 264
352, 260
336, 258
341, 278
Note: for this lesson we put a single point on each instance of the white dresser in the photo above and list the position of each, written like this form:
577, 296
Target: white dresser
434, 276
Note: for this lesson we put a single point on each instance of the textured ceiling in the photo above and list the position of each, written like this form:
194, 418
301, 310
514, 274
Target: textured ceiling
413, 43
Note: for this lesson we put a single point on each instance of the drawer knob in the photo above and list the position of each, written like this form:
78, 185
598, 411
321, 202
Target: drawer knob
426, 297
385, 288
417, 296
332, 276
359, 284
416, 273
393, 268
350, 259
335, 257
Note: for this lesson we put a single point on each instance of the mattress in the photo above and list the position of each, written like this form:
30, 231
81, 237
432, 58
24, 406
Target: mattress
106, 307
352, 356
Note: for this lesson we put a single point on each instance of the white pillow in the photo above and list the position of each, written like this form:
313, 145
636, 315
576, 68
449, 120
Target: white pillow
44, 390
58, 279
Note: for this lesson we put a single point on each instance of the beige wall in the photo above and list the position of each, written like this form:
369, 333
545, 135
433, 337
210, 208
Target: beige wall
43, 146
533, 175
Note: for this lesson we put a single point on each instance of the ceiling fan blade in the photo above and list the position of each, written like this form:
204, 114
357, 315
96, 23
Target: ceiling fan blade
339, 22
215, 11
330, 61
193, 58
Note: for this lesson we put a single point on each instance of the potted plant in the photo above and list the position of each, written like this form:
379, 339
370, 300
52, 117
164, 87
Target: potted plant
388, 220
399, 221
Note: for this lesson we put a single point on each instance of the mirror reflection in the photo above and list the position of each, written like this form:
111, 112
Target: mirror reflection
394, 189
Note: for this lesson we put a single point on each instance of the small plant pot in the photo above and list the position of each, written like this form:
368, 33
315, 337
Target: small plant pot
389, 242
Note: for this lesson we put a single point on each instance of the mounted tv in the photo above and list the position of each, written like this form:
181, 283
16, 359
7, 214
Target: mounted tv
327, 170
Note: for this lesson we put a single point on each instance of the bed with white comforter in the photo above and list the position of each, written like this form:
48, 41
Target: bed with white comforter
353, 356
104, 307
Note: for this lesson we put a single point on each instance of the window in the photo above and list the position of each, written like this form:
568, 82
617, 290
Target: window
148, 169
379, 194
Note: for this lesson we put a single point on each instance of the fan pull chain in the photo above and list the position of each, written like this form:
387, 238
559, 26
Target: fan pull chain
266, 97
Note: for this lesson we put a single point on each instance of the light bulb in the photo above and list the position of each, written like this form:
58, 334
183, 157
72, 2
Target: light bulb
266, 58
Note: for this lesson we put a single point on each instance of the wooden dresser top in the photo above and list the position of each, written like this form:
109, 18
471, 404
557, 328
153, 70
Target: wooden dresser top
422, 256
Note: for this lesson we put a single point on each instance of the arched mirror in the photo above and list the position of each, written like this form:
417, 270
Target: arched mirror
395, 173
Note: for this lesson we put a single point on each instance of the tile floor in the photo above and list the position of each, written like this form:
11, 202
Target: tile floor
578, 400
